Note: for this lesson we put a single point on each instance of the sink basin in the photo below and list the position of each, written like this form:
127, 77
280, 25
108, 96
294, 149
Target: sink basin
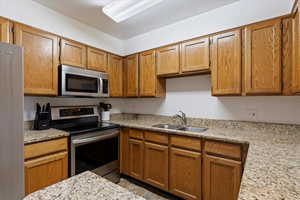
193, 129
167, 126
175, 127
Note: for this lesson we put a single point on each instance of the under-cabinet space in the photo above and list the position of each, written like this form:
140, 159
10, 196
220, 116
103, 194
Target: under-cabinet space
72, 53
41, 58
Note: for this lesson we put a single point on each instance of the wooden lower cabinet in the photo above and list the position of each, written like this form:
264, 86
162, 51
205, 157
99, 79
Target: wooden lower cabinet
136, 158
185, 173
45, 171
222, 178
124, 151
156, 165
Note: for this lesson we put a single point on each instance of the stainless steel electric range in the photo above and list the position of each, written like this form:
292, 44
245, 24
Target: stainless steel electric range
93, 145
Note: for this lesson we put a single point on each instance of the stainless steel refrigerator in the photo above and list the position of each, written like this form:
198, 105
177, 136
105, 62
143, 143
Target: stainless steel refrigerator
11, 122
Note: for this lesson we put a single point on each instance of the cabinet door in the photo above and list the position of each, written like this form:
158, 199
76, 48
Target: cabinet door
222, 178
45, 171
195, 55
185, 173
72, 53
263, 58
115, 70
136, 158
147, 74
168, 60
156, 165
132, 75
96, 59
40, 60
4, 30
124, 151
226, 64
296, 53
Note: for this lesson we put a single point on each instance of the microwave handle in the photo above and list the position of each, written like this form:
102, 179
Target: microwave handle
100, 83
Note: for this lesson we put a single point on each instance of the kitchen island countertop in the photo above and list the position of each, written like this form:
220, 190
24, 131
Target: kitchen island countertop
85, 186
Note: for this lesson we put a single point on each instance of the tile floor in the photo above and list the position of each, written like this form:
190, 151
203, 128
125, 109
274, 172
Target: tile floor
145, 191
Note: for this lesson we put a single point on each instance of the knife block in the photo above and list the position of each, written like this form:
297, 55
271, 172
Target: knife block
42, 120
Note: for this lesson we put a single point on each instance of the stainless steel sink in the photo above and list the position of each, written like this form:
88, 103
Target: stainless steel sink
181, 128
193, 129
167, 126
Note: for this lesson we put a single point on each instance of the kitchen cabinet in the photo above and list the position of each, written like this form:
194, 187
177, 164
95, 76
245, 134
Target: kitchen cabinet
222, 178
41, 58
131, 76
96, 59
195, 55
4, 30
46, 163
296, 51
156, 169
185, 173
167, 59
150, 85
136, 158
115, 71
226, 63
72, 53
124, 151
263, 58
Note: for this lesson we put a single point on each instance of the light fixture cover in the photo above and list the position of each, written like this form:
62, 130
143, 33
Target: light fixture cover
120, 10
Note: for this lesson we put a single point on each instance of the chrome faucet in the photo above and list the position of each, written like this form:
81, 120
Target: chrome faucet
182, 117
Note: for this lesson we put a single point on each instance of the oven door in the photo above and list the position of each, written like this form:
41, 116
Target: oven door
96, 151
81, 82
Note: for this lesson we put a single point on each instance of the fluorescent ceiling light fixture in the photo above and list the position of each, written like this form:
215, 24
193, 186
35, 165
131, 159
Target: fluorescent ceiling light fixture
120, 10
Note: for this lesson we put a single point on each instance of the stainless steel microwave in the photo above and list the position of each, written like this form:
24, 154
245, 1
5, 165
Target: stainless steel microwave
81, 82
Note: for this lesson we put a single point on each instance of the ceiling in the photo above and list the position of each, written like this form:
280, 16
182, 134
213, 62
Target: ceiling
165, 13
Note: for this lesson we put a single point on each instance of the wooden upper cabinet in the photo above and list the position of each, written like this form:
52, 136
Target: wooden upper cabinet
72, 53
226, 64
96, 59
195, 55
40, 60
168, 60
185, 173
156, 169
4, 30
132, 76
115, 71
263, 58
222, 178
150, 85
296, 52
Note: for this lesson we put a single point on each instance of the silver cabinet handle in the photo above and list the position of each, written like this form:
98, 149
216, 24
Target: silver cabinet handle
94, 139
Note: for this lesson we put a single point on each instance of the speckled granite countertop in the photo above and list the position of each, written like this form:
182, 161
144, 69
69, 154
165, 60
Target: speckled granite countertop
85, 186
32, 136
272, 170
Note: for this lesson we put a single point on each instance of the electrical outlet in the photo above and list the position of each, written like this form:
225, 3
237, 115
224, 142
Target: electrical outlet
252, 114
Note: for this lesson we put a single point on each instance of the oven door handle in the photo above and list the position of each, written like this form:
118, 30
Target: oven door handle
94, 139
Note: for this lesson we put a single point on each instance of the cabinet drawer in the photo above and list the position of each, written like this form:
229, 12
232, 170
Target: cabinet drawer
134, 133
223, 149
44, 148
186, 142
156, 137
